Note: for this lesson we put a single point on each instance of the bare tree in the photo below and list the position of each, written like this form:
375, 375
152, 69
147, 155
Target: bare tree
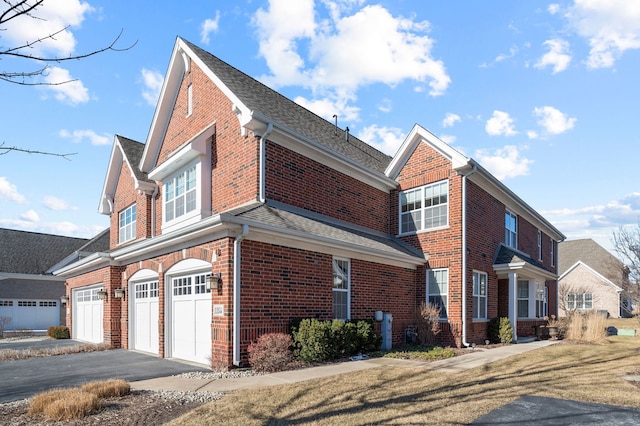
27, 51
626, 242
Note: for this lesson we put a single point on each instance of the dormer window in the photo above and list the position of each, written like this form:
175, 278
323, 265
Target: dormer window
127, 224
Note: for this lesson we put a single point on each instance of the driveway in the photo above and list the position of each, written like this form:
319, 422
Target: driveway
24, 378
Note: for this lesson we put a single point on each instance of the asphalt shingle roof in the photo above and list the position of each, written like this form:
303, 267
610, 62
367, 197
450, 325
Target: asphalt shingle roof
23, 252
318, 227
133, 151
260, 98
507, 255
591, 254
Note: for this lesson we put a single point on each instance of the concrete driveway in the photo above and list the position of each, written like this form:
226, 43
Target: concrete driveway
24, 378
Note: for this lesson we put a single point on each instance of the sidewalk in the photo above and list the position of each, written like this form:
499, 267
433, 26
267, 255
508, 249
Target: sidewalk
473, 359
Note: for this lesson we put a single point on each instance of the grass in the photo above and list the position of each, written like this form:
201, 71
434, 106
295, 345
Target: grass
423, 353
14, 354
411, 395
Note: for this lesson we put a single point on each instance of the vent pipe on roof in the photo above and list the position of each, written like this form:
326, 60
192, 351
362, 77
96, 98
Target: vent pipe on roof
346, 134
335, 128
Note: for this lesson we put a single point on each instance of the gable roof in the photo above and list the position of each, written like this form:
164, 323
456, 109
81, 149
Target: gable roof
508, 259
24, 252
592, 254
127, 151
595, 273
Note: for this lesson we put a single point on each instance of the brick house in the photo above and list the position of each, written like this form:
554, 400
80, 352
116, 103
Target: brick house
243, 211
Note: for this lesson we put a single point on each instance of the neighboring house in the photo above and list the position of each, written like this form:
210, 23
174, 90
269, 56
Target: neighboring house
244, 211
590, 278
29, 293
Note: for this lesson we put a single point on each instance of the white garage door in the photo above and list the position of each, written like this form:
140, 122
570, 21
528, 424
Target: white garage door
87, 318
30, 314
145, 316
191, 318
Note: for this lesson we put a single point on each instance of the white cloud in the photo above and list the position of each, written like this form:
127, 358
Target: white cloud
54, 203
152, 81
385, 139
10, 192
450, 119
553, 120
500, 124
612, 214
504, 163
385, 105
55, 228
65, 88
553, 8
532, 134
209, 26
47, 19
504, 56
557, 57
30, 216
334, 55
448, 139
78, 136
610, 26
327, 108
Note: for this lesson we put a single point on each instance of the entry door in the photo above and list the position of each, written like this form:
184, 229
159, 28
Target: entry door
191, 318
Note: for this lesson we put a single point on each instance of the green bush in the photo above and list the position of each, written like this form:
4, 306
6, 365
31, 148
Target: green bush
316, 341
506, 332
58, 332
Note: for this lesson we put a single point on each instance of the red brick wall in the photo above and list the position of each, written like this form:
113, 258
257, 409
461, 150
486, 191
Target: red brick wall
299, 181
125, 196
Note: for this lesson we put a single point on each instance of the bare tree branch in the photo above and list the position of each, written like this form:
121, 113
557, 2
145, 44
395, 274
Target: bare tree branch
626, 242
7, 149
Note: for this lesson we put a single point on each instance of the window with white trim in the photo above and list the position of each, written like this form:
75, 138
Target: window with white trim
579, 301
523, 299
541, 300
511, 230
189, 100
180, 194
185, 285
479, 295
539, 245
341, 288
553, 254
424, 208
438, 289
127, 227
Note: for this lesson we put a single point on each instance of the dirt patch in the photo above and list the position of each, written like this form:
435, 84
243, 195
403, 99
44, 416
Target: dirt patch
137, 408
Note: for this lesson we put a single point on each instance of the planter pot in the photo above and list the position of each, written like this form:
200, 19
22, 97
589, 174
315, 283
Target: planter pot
553, 332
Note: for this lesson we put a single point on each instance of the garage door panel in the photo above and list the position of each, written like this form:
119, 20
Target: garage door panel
30, 314
145, 316
87, 322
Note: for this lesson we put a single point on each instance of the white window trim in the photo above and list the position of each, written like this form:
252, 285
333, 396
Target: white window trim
446, 317
422, 209
583, 297
553, 254
192, 216
542, 295
539, 244
481, 297
514, 231
347, 290
528, 299
132, 225
189, 100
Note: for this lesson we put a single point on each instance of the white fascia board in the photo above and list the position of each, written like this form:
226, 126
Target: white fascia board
309, 148
89, 263
17, 276
527, 268
417, 135
111, 178
594, 272
261, 232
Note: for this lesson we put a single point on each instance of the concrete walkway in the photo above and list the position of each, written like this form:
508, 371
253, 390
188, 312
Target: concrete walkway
473, 359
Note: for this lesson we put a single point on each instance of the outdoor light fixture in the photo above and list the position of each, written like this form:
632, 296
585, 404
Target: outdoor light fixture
214, 281
64, 300
118, 293
102, 294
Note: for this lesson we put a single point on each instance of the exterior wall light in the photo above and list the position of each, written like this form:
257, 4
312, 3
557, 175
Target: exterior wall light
64, 300
214, 281
102, 294
118, 293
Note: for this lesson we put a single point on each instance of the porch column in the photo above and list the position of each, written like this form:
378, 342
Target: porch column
513, 304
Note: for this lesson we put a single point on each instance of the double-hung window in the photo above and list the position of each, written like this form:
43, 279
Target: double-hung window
438, 289
511, 230
341, 288
180, 194
127, 224
539, 245
479, 295
523, 299
580, 301
424, 208
541, 300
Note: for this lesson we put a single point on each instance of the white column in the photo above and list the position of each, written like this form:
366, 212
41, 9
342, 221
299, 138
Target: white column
513, 304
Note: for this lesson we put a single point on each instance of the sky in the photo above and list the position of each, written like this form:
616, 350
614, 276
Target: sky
544, 94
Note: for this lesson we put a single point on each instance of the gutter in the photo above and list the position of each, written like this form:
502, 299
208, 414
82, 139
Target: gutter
464, 254
236, 294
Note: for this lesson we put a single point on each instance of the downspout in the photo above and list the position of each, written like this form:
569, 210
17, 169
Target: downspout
464, 253
263, 139
236, 295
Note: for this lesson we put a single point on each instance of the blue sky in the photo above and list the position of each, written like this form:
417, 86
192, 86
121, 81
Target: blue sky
544, 94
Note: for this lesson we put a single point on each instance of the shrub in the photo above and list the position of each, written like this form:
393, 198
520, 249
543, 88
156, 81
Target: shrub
58, 332
317, 341
494, 330
272, 352
107, 388
64, 404
430, 323
500, 330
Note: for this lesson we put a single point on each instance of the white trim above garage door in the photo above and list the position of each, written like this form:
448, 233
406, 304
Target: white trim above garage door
189, 311
87, 315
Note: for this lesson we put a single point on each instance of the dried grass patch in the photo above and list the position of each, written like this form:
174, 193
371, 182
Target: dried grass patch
64, 404
107, 388
14, 354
